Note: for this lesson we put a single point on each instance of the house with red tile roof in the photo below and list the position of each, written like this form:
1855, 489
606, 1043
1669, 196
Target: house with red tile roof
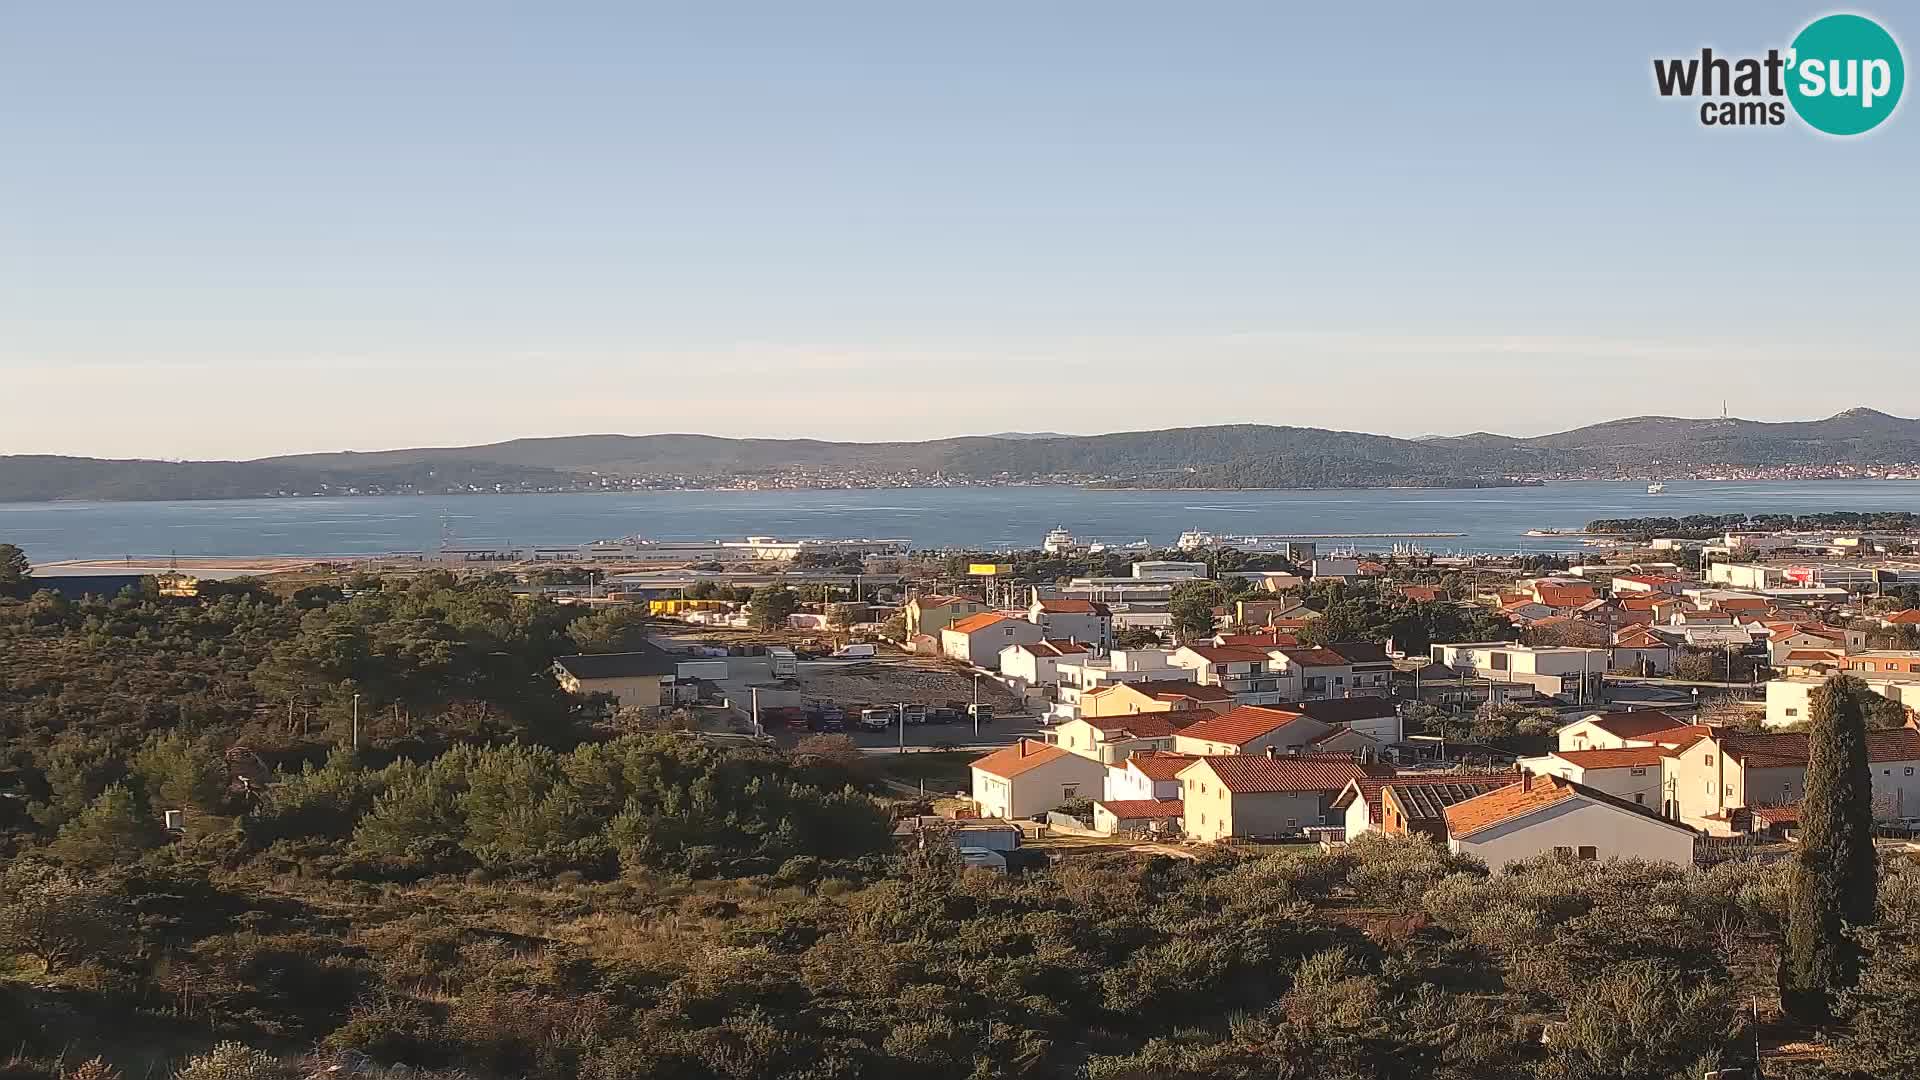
1148, 774
1909, 617
1412, 803
1088, 621
1260, 795
931, 614
1324, 672
1544, 815
1153, 695
1110, 740
1145, 817
1611, 730
1037, 663
978, 639
1031, 777
1712, 780
1633, 773
1562, 594
1638, 650
1423, 594
1250, 729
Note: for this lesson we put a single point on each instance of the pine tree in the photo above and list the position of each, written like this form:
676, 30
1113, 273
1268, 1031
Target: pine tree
114, 828
1834, 876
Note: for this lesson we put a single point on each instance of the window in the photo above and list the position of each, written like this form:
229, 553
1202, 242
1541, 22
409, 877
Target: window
1563, 852
1640, 797
1709, 759
1793, 712
1070, 791
1339, 680
1637, 770
1293, 823
1589, 853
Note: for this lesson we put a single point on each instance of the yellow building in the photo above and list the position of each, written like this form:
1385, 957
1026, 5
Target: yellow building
1131, 699
932, 614
630, 678
175, 583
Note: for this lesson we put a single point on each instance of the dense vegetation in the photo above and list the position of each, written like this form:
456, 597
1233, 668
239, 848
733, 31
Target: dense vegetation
1224, 456
497, 885
1704, 526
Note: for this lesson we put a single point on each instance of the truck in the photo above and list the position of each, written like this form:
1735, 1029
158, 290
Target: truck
913, 714
857, 652
982, 713
783, 662
877, 719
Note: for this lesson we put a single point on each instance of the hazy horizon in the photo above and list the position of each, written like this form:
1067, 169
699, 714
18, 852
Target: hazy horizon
229, 231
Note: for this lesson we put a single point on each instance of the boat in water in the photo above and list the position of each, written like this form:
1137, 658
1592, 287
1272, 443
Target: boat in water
1656, 488
1196, 540
1546, 532
1058, 542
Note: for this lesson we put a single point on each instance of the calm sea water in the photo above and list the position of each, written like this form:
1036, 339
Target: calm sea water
990, 518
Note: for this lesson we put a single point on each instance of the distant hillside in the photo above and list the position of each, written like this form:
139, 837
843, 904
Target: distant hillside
1226, 456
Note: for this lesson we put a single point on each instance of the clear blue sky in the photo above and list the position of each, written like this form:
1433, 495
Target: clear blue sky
233, 229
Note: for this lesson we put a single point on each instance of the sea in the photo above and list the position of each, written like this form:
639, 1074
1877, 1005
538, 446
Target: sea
982, 518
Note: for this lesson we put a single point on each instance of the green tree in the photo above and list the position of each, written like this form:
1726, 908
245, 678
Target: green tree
1191, 606
55, 916
770, 607
16, 574
1834, 873
176, 772
115, 828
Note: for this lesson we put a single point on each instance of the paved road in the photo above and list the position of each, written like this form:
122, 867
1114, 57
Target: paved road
1002, 732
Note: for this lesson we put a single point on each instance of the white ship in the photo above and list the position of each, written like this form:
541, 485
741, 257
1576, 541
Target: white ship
1656, 488
1196, 540
1058, 542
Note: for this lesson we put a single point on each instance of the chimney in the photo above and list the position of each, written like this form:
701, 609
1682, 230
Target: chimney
1025, 747
1273, 752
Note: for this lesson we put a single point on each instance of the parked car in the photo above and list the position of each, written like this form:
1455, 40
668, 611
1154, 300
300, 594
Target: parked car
914, 714
876, 719
857, 652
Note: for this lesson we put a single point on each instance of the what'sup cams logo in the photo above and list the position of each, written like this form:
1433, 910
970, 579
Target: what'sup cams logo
1842, 75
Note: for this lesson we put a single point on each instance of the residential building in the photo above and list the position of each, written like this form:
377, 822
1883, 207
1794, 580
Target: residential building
1553, 815
1648, 583
1036, 663
1412, 804
1257, 795
1556, 672
1341, 569
1714, 781
1790, 699
1376, 717
1128, 699
932, 614
1031, 777
1867, 662
1146, 816
1250, 729
1244, 673
1309, 673
1110, 740
1787, 637
1370, 668
1640, 651
630, 678
1632, 773
1086, 621
1147, 774
978, 639
1613, 730
1745, 575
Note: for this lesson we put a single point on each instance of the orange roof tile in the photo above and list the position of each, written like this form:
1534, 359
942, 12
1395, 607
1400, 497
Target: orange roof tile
1217, 654
1240, 726
1258, 774
1634, 725
1468, 784
1160, 764
974, 623
1010, 761
1150, 725
1533, 794
1135, 809
1640, 756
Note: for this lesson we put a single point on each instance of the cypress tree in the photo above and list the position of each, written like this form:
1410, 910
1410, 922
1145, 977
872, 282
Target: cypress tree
1834, 878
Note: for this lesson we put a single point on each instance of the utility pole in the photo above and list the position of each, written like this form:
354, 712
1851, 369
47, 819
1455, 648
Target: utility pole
356, 723
976, 706
756, 710
900, 721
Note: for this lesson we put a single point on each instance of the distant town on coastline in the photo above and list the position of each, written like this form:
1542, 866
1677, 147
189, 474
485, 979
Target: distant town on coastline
1859, 442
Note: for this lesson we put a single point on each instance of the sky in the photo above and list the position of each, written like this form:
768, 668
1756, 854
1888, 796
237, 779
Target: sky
239, 229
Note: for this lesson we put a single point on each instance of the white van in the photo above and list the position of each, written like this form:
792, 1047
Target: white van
858, 652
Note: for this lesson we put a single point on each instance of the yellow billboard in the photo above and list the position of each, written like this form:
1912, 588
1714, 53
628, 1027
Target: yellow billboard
989, 569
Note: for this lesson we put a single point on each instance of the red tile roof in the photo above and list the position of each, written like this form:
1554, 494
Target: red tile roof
1264, 640
1563, 596
1053, 648
1640, 638
1788, 749
1258, 774
1150, 725
1316, 657
1073, 607
1420, 594
1160, 764
1535, 793
1909, 617
1624, 757
1218, 654
1135, 809
1633, 725
973, 623
1010, 761
1242, 725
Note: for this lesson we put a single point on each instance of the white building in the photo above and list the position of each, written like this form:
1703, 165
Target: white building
1553, 671
1632, 773
1030, 778
1553, 815
978, 639
1790, 700
1085, 621
1037, 663
1146, 775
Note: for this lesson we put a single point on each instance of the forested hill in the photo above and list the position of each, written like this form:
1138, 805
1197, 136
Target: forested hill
1225, 456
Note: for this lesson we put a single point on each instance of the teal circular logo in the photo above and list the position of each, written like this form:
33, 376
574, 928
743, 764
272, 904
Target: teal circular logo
1845, 74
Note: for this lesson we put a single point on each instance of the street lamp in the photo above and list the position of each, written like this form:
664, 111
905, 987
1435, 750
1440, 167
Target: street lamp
976, 706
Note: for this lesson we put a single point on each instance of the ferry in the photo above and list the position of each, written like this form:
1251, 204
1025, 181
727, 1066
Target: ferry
1058, 542
1196, 540
1546, 532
